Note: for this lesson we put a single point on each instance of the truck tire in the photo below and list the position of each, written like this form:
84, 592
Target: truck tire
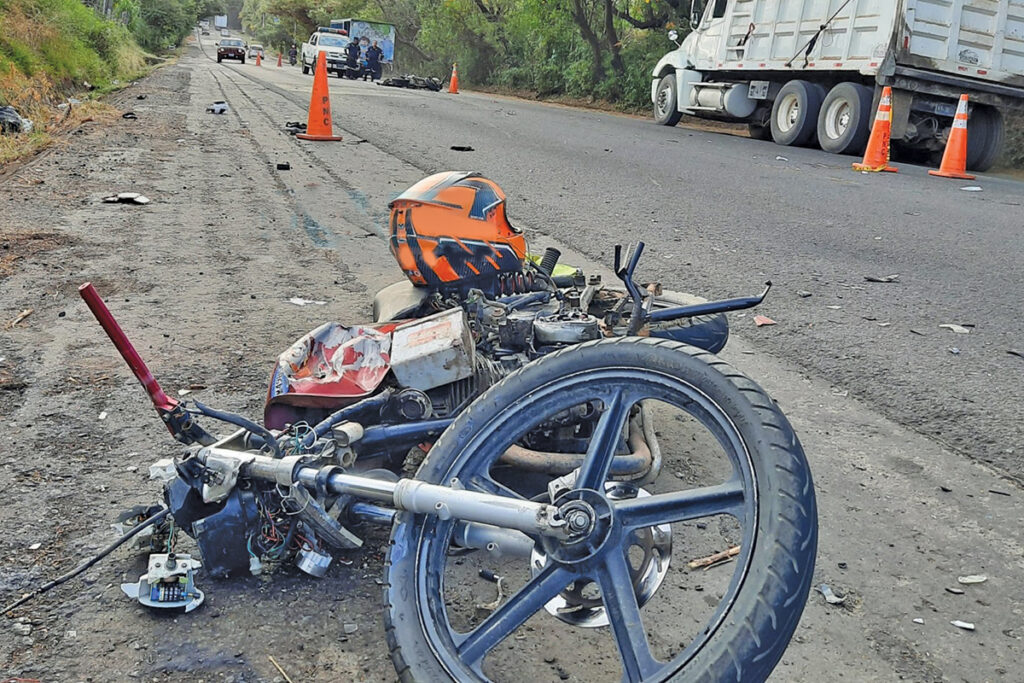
773, 572
844, 121
666, 101
305, 69
795, 113
985, 134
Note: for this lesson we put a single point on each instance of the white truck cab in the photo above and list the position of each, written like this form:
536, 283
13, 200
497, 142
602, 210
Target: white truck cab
809, 72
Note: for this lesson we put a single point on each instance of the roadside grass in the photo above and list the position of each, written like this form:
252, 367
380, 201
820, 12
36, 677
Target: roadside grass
51, 50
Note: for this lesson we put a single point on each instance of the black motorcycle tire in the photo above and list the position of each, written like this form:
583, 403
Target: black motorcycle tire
750, 639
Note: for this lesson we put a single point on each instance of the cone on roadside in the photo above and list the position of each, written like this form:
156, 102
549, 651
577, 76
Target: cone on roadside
453, 84
318, 125
954, 158
876, 156
257, 59
278, 60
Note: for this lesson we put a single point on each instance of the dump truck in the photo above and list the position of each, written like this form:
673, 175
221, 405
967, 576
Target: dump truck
810, 72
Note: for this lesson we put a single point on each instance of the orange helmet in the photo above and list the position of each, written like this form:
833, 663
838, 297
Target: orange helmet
450, 230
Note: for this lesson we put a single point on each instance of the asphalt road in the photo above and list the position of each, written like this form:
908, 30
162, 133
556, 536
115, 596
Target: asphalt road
720, 214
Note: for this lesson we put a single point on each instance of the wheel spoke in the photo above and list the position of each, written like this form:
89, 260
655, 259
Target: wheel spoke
624, 618
679, 506
603, 444
514, 613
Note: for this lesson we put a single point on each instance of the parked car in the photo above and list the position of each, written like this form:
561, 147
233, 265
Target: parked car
255, 50
232, 48
224, 33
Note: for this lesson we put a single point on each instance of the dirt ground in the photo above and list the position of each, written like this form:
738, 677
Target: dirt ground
201, 278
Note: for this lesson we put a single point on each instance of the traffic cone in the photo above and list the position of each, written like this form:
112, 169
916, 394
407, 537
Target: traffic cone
954, 158
876, 156
278, 60
453, 84
318, 125
257, 59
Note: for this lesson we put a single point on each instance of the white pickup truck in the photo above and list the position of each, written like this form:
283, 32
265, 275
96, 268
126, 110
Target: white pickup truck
806, 72
331, 41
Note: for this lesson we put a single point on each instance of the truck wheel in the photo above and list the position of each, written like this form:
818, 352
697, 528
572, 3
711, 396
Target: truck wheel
795, 113
844, 122
305, 69
666, 102
985, 133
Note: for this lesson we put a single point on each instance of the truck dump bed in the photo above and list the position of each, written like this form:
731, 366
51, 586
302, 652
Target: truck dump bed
981, 39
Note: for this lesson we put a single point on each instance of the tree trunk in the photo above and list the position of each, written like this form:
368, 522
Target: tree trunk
613, 43
579, 15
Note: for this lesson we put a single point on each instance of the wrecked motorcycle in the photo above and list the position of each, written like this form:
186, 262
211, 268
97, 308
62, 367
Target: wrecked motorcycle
571, 444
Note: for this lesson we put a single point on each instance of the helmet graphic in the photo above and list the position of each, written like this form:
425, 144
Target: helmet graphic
450, 230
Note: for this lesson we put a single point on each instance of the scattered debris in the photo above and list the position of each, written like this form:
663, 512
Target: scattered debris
413, 82
830, 597
184, 392
965, 625
958, 329
762, 320
140, 97
21, 316
945, 489
103, 415
127, 198
130, 115
884, 324
351, 628
1015, 352
12, 123
35, 546
462, 148
971, 188
717, 558
955, 591
886, 278
293, 127
834, 307
955, 350
500, 581
299, 301
169, 583
841, 565
284, 166
278, 667
781, 158
999, 493
919, 620
918, 332
218, 107
803, 294
22, 629
972, 579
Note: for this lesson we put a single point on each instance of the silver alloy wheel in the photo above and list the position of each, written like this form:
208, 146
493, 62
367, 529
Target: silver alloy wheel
837, 118
789, 112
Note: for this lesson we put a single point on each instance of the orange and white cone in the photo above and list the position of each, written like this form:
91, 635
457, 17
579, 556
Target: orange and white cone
876, 156
954, 158
453, 84
319, 125
257, 59
278, 60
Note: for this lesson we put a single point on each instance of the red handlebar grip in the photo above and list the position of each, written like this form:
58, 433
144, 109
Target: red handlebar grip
161, 401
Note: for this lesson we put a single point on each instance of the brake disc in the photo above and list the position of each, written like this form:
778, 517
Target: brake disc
648, 553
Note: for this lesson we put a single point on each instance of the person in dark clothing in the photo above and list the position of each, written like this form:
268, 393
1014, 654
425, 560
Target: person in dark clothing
293, 54
373, 55
353, 58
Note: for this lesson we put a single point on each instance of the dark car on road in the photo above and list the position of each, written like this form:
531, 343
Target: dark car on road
231, 48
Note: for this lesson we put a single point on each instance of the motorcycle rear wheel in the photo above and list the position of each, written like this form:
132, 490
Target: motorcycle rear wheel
769, 493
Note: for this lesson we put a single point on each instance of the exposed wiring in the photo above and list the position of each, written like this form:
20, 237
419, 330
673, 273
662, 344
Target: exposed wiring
90, 562
245, 423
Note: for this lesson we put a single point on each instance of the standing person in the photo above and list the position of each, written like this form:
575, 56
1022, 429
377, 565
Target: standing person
353, 58
373, 55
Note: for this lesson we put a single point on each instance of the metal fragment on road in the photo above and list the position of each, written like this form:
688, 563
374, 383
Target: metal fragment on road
971, 188
919, 620
972, 579
958, 329
965, 625
830, 597
955, 591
